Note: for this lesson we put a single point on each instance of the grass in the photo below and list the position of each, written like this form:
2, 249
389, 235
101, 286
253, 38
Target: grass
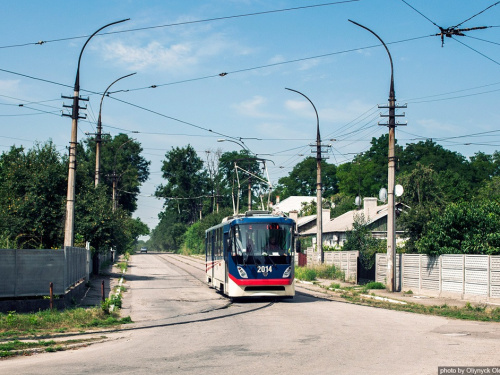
469, 312
17, 347
323, 272
46, 322
353, 294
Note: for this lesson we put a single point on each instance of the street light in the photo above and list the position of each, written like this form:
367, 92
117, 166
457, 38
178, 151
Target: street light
98, 135
391, 214
242, 145
70, 200
319, 209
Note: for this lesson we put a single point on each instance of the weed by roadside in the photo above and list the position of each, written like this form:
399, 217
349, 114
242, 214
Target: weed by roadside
324, 271
44, 322
18, 347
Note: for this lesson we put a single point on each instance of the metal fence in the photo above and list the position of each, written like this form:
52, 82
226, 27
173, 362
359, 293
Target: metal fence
28, 272
453, 275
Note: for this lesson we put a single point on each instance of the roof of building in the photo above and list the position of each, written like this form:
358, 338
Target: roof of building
344, 222
293, 203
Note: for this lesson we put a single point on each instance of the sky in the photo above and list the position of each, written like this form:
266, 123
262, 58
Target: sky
217, 69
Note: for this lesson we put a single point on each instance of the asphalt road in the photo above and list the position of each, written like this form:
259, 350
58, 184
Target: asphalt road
183, 327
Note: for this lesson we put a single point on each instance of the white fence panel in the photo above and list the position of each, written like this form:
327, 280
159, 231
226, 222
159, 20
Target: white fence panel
474, 275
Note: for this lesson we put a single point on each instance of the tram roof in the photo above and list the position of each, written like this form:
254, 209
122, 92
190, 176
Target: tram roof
253, 217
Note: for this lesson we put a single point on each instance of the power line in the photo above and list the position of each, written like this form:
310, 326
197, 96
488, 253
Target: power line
41, 42
475, 50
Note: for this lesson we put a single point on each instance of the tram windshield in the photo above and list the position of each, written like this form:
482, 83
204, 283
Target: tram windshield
262, 243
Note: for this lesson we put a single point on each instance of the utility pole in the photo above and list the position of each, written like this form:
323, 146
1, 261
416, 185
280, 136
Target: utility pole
70, 198
391, 209
98, 138
319, 185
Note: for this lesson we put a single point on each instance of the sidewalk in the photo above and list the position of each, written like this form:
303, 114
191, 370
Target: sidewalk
321, 285
101, 285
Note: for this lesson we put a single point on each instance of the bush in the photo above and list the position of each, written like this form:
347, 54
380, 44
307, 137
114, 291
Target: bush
373, 285
329, 272
304, 273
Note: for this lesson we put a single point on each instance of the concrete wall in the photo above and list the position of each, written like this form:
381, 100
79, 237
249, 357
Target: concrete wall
462, 276
346, 261
28, 273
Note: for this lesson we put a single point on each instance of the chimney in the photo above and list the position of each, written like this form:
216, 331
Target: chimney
277, 199
294, 215
369, 207
326, 215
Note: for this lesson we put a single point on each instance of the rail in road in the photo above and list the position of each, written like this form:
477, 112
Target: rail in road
181, 295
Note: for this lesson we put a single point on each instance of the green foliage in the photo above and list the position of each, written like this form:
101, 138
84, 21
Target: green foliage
373, 285
463, 228
120, 157
340, 204
305, 273
329, 272
302, 179
194, 238
32, 197
227, 177
168, 234
114, 300
367, 173
186, 180
360, 238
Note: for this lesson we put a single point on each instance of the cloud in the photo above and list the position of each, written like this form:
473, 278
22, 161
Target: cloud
9, 87
255, 108
187, 52
153, 55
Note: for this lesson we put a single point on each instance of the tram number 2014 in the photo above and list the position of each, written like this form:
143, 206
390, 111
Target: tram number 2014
264, 269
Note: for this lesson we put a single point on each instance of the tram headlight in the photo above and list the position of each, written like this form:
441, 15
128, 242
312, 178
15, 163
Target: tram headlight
242, 272
287, 272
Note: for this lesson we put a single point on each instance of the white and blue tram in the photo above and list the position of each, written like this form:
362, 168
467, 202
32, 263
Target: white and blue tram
251, 254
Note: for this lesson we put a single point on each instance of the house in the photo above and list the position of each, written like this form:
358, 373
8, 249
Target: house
293, 205
335, 230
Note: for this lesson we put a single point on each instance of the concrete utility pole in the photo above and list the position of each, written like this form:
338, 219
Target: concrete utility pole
319, 185
70, 200
391, 211
98, 138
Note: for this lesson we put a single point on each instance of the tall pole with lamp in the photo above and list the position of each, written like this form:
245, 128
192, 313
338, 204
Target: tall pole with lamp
391, 211
98, 138
70, 200
319, 187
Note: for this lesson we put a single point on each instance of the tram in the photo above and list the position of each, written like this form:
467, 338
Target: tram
251, 254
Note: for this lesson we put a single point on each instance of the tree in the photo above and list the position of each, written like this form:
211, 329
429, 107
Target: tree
367, 173
187, 182
302, 179
360, 238
121, 160
463, 228
248, 165
168, 234
32, 196
194, 238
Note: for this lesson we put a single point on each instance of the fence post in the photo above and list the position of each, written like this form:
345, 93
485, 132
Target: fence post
51, 293
463, 275
420, 272
488, 277
102, 291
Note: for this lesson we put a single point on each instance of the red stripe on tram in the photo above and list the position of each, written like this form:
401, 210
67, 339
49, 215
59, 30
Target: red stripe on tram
260, 281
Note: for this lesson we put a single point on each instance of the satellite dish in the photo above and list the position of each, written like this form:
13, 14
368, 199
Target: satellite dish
357, 201
382, 195
398, 190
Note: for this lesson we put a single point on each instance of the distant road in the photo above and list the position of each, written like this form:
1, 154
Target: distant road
183, 327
